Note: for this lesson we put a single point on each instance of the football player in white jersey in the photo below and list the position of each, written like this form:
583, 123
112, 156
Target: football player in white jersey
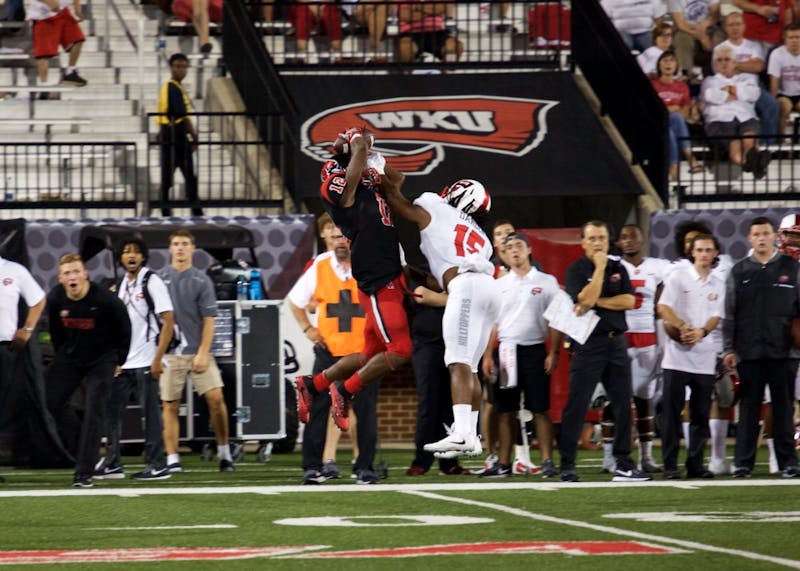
458, 252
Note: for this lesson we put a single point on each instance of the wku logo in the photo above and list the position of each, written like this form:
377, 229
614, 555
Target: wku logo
413, 132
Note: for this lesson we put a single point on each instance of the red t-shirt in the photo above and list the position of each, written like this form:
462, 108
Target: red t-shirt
757, 28
675, 93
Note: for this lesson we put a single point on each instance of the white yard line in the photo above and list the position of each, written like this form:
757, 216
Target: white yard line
692, 545
164, 527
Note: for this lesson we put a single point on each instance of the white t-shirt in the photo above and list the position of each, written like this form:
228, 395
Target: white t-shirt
524, 299
37, 10
696, 300
745, 51
15, 282
784, 65
143, 341
645, 279
633, 16
452, 239
695, 11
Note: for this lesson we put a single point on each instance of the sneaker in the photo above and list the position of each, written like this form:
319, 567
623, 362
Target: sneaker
720, 467
673, 475
74, 79
453, 443
313, 477
497, 471
304, 397
206, 48
339, 408
175, 468
791, 472
106, 473
631, 475
416, 471
366, 477
699, 475
647, 465
226, 466
741, 472
569, 475
82, 481
455, 471
330, 470
152, 474
523, 468
773, 465
549, 469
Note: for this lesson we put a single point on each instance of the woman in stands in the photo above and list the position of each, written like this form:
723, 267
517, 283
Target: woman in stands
662, 42
675, 95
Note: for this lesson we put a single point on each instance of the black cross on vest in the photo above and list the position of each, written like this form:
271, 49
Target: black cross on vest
345, 310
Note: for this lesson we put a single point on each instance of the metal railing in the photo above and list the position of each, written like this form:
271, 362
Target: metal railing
725, 181
69, 175
233, 163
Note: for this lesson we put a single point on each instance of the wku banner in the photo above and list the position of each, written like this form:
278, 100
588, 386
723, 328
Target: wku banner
520, 134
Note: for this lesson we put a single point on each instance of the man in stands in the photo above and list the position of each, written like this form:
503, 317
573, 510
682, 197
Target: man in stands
54, 25
784, 81
353, 183
422, 29
764, 20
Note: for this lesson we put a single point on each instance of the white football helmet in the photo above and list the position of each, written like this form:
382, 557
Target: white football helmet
468, 195
789, 235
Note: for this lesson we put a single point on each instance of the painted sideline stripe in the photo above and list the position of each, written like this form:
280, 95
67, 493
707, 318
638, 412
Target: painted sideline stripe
691, 545
162, 527
137, 490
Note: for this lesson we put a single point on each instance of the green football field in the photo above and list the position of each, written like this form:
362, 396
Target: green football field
260, 517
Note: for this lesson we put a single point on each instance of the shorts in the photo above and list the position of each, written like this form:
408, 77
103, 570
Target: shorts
386, 327
644, 370
62, 29
732, 128
532, 382
173, 379
473, 304
431, 42
795, 99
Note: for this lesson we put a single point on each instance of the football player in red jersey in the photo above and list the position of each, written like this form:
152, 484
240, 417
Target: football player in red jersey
353, 183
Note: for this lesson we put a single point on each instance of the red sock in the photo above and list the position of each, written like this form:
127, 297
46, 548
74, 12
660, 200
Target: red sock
353, 384
321, 382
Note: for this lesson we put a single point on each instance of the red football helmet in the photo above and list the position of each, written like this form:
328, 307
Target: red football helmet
789, 235
467, 195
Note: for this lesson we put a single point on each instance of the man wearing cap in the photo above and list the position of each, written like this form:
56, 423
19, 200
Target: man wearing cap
525, 364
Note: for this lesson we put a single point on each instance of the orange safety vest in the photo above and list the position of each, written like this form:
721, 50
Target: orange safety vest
340, 317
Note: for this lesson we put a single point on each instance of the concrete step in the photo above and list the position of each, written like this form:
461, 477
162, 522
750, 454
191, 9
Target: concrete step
85, 109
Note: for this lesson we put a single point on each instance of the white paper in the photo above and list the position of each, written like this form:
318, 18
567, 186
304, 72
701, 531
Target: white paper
560, 314
508, 364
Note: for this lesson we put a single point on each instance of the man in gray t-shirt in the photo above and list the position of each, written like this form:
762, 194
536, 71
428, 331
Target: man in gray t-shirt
195, 307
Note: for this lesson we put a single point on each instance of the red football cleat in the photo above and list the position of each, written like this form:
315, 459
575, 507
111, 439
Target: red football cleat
339, 409
304, 397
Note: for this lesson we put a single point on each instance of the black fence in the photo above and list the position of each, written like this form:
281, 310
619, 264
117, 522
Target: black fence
69, 175
234, 165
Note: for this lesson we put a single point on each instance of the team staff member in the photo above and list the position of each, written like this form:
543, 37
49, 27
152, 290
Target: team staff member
522, 330
762, 296
91, 334
692, 303
140, 372
352, 192
177, 135
601, 283
329, 284
195, 306
16, 283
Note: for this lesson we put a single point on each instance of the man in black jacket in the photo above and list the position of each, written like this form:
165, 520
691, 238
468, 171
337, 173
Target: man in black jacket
762, 295
91, 333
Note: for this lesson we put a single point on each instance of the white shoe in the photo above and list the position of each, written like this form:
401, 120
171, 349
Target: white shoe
773, 465
488, 464
461, 444
522, 468
720, 467
609, 465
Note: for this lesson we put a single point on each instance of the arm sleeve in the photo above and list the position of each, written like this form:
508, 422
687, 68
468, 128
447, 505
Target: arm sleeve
332, 188
208, 299
158, 291
175, 105
54, 320
31, 292
303, 289
728, 320
774, 65
122, 327
668, 293
625, 286
573, 283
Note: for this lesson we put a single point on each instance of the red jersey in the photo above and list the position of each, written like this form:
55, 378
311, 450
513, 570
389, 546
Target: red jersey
757, 28
675, 93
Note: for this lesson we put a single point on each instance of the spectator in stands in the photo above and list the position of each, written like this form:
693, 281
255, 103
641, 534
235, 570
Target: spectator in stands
784, 75
177, 135
675, 95
372, 15
306, 15
730, 112
765, 19
200, 13
662, 41
54, 25
697, 30
749, 58
422, 29
91, 335
634, 20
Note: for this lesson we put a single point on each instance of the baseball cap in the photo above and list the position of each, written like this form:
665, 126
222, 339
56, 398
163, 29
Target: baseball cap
517, 236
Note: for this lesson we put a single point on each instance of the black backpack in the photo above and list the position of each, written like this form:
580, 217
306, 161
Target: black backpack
151, 311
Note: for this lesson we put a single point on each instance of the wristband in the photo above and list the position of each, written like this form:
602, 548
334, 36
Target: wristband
28, 329
307, 328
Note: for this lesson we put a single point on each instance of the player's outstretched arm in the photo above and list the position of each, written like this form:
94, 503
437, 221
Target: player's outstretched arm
390, 185
356, 166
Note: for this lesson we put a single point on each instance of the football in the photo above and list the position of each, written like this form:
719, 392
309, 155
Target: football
341, 146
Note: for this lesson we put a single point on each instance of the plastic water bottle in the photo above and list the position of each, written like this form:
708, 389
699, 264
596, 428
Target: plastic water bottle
255, 284
242, 287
